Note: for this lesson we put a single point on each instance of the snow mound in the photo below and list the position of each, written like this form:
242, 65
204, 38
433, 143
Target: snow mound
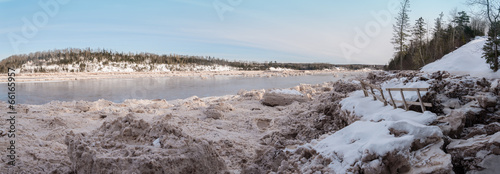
282, 97
384, 139
465, 60
286, 91
367, 141
130, 145
367, 109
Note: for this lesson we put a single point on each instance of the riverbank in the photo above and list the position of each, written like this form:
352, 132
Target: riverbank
303, 129
43, 77
237, 128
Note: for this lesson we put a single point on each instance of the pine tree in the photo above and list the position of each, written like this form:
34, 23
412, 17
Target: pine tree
492, 46
401, 30
462, 20
419, 32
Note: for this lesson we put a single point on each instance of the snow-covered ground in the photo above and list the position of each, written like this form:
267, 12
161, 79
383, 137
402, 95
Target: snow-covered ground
465, 60
379, 132
287, 91
279, 69
382, 133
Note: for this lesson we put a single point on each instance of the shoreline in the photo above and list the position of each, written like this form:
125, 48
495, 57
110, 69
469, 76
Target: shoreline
46, 77
291, 79
264, 131
222, 121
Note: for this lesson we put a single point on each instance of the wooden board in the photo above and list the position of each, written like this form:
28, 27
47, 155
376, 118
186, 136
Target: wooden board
414, 103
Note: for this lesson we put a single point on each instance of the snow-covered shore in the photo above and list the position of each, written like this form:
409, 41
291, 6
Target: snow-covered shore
40, 77
323, 128
329, 127
237, 128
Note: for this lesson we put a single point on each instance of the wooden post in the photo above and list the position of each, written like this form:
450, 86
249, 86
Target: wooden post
382, 94
404, 100
371, 89
420, 99
364, 90
390, 95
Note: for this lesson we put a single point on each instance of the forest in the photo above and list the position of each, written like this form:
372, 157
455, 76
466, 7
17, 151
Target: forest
80, 57
417, 45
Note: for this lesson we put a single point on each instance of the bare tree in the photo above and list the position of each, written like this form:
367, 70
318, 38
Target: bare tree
438, 34
478, 23
452, 16
401, 30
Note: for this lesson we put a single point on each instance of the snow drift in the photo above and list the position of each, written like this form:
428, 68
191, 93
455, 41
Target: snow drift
465, 60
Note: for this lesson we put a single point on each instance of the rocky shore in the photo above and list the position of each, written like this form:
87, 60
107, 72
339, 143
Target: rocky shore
322, 128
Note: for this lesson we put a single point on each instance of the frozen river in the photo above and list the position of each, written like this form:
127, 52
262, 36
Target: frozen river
168, 88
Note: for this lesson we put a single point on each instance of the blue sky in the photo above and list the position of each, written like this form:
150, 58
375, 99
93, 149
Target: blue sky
330, 31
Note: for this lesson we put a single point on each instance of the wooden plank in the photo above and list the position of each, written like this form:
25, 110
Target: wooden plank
364, 89
421, 102
404, 100
393, 103
376, 96
414, 103
382, 94
373, 93
407, 89
371, 85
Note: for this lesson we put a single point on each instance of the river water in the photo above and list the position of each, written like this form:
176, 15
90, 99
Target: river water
168, 88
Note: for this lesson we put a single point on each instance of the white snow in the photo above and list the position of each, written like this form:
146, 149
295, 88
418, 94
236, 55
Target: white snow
156, 143
279, 69
465, 60
286, 91
400, 83
368, 109
94, 66
363, 138
379, 131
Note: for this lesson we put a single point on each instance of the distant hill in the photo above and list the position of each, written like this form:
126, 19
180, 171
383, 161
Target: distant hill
101, 60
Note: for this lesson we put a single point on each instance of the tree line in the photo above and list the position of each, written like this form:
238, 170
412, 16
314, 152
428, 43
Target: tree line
417, 45
78, 56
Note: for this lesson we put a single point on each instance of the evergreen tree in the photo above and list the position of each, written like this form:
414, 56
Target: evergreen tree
462, 20
491, 52
419, 32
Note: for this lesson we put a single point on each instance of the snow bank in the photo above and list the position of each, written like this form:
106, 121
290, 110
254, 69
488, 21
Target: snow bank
367, 109
363, 140
465, 60
404, 83
384, 137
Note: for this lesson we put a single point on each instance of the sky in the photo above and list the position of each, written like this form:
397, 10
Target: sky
321, 31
